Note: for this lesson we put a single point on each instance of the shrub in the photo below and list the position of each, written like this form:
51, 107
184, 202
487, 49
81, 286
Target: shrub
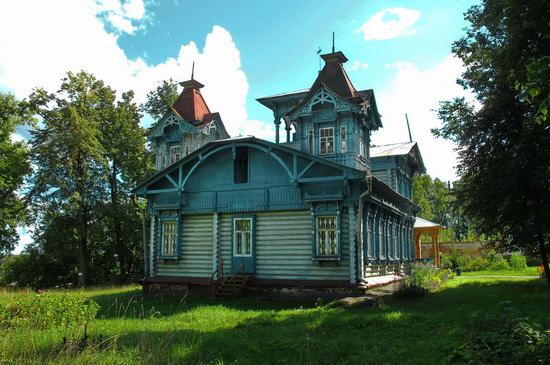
476, 263
515, 340
423, 278
496, 261
40, 311
518, 261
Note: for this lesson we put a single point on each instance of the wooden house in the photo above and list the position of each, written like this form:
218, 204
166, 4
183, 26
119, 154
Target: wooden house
306, 211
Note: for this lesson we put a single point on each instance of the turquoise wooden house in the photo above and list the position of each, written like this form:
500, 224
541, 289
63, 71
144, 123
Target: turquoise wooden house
306, 210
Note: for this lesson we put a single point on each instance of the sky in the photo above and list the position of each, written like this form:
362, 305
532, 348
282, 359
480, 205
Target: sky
244, 50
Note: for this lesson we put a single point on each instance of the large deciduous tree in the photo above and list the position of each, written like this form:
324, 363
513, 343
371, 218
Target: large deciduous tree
503, 146
13, 169
68, 153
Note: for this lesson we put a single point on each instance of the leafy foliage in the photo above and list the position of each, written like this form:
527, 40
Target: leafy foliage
89, 151
160, 99
422, 280
489, 261
515, 340
14, 166
503, 149
42, 311
518, 261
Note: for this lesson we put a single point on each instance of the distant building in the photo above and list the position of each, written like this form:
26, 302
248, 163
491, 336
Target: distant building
313, 210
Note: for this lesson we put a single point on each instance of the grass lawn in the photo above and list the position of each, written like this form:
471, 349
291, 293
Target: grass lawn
197, 330
529, 271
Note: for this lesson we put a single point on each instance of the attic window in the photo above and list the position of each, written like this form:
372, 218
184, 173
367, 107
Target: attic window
326, 141
240, 165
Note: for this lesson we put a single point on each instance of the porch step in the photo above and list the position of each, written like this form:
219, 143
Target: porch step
232, 286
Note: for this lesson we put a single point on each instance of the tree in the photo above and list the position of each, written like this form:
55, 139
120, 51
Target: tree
13, 169
503, 148
129, 162
433, 197
161, 99
68, 153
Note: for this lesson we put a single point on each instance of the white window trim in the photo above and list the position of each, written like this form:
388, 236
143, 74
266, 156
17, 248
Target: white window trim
176, 155
326, 139
318, 233
235, 232
172, 236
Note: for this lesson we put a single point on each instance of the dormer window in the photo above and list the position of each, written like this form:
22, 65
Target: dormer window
175, 153
326, 141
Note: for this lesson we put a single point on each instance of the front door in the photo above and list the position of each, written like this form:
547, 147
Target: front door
243, 250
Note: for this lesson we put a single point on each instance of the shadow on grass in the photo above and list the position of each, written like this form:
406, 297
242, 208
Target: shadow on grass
424, 330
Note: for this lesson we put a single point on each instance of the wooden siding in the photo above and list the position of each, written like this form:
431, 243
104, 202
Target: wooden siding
284, 247
196, 249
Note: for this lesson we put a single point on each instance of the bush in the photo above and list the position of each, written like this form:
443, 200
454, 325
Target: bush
496, 261
515, 340
423, 278
518, 261
476, 263
41, 311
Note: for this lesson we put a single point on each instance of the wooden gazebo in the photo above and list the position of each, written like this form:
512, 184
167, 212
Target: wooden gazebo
422, 226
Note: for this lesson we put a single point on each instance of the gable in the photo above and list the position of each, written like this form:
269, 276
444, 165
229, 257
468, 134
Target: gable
323, 95
211, 167
170, 119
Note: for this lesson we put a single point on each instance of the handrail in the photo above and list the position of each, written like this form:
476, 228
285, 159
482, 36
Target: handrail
219, 270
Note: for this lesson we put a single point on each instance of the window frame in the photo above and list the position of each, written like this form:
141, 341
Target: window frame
310, 140
177, 155
177, 244
338, 230
234, 232
326, 139
343, 139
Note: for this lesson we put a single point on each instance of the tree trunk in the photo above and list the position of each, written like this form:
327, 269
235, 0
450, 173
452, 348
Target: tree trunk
117, 222
82, 248
544, 258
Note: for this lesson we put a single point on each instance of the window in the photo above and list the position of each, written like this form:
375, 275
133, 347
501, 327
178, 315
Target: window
169, 236
186, 149
396, 242
327, 236
240, 165
369, 222
242, 237
343, 141
310, 141
326, 140
361, 148
381, 237
174, 154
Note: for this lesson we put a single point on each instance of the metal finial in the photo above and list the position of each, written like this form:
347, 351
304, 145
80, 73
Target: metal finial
193, 71
332, 42
408, 127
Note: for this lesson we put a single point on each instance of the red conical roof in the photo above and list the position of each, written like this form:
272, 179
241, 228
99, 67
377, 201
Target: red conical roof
190, 105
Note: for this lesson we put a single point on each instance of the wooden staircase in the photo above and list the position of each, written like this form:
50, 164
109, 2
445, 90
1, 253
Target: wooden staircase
230, 286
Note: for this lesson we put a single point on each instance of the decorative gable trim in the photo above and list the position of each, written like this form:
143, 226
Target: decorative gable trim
324, 95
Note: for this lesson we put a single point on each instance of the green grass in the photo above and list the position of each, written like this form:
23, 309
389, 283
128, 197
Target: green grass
529, 271
264, 330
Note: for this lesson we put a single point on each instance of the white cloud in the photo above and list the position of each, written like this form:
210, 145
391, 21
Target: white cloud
389, 23
417, 93
356, 65
123, 16
88, 46
25, 239
40, 51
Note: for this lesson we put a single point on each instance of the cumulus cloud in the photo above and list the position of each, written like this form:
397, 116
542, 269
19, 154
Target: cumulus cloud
417, 93
81, 42
124, 17
356, 65
389, 23
40, 51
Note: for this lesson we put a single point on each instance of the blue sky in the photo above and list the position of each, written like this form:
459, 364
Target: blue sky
244, 50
